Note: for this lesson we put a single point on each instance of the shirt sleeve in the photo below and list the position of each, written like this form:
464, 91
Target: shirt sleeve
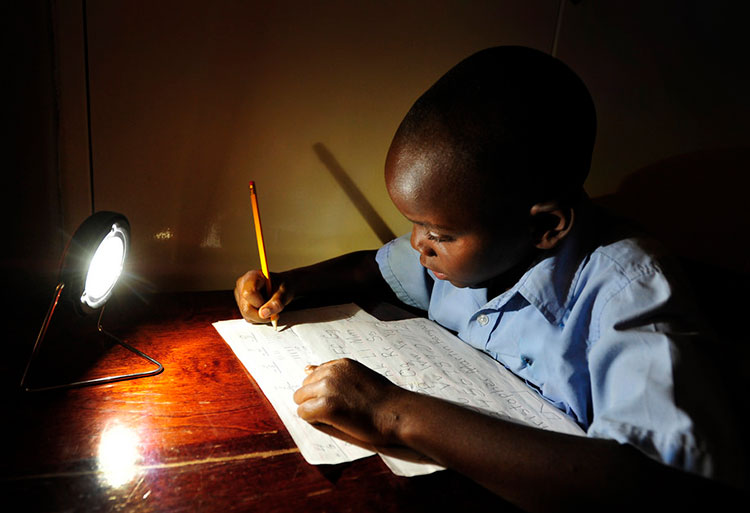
646, 382
400, 267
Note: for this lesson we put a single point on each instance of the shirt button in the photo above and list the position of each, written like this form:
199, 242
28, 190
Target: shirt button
483, 320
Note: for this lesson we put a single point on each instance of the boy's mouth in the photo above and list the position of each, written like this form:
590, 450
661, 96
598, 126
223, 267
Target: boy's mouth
439, 276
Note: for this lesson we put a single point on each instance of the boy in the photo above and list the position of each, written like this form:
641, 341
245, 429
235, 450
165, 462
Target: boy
507, 252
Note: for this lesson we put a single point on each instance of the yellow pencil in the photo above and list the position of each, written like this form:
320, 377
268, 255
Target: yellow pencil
261, 246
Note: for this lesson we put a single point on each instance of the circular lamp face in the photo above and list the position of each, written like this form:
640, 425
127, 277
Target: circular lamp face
105, 267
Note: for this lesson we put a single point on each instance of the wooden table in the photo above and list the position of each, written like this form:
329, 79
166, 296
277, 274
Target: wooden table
200, 436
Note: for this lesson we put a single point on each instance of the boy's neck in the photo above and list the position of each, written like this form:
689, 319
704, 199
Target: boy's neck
508, 279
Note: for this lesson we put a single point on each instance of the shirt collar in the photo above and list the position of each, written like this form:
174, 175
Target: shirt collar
549, 284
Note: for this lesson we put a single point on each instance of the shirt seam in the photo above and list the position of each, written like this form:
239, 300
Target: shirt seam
595, 332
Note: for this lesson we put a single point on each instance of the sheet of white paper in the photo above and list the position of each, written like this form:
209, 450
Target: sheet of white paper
277, 360
416, 354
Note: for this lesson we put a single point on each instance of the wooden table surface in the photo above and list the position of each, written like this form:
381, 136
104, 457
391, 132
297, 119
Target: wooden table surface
200, 436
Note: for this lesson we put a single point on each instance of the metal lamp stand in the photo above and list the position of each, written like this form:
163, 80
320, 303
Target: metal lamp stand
88, 382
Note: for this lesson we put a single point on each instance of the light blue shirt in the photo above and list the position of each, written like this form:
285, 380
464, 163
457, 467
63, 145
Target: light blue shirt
598, 330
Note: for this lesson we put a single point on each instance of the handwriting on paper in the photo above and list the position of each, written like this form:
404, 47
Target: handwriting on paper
416, 354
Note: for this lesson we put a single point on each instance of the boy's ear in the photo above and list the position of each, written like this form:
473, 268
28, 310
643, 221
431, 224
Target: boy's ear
550, 222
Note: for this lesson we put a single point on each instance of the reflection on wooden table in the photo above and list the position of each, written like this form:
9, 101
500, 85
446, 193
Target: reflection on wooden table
198, 437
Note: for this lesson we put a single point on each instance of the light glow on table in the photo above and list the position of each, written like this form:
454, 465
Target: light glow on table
118, 455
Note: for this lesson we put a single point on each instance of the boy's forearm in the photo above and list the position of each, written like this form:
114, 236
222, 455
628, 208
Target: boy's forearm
521, 464
347, 276
541, 470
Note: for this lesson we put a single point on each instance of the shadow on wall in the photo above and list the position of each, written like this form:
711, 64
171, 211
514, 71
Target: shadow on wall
355, 195
695, 203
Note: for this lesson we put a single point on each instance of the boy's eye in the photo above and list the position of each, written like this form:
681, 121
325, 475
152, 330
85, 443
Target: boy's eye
437, 238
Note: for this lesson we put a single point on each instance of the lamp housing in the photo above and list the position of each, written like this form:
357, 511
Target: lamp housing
94, 260
89, 270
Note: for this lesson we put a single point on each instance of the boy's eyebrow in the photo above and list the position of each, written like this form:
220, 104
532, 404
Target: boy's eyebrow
430, 225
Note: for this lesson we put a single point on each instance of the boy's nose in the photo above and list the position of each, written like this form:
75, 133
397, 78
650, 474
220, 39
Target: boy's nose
421, 243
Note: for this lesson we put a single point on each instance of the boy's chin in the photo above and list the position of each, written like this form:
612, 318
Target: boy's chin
458, 284
464, 285
485, 284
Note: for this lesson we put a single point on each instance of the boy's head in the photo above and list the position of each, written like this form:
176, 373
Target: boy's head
504, 130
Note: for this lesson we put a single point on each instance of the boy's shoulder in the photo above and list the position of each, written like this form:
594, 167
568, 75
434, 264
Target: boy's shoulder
617, 258
627, 274
623, 260
621, 246
632, 256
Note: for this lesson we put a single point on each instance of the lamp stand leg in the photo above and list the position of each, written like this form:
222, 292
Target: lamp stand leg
89, 382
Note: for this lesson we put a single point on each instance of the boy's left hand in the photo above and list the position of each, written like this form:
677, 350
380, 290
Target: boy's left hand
353, 399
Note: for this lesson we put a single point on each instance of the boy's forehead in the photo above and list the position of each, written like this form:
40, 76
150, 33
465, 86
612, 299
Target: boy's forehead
415, 174
434, 171
422, 179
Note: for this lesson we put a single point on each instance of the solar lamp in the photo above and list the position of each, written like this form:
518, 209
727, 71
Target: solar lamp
90, 267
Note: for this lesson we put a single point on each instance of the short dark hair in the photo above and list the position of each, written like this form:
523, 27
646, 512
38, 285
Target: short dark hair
519, 117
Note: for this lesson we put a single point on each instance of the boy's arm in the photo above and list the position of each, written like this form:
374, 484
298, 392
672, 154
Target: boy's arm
347, 277
535, 469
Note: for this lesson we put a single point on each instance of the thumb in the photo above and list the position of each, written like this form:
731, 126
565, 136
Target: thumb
276, 304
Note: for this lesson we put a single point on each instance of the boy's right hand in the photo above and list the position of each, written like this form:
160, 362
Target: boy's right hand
250, 295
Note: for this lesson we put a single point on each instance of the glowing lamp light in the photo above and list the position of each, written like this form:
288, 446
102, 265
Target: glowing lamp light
105, 268
90, 268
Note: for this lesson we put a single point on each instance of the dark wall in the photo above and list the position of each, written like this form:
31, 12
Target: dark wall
30, 199
670, 81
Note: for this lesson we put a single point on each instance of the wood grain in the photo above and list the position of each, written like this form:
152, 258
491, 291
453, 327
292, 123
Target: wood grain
200, 436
